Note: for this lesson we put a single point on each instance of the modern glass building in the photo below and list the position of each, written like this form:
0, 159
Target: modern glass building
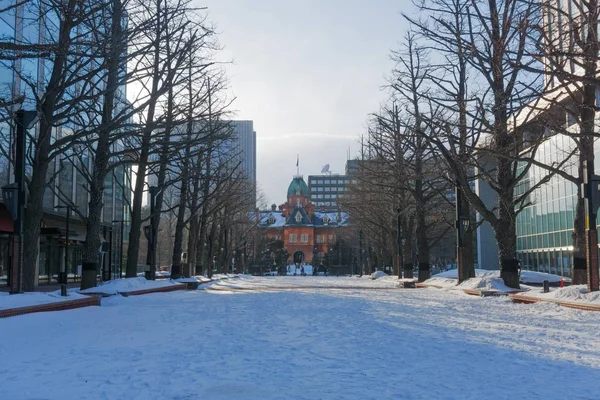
545, 225
31, 23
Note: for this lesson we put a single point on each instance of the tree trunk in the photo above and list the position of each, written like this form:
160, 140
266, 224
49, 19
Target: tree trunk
136, 212
31, 225
101, 155
579, 273
180, 226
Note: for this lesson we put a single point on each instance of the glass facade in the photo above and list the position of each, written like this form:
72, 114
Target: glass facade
67, 183
545, 225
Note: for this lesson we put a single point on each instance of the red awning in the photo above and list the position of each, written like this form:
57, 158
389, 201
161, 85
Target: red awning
6, 222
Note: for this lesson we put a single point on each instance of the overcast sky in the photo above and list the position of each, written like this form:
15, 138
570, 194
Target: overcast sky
307, 73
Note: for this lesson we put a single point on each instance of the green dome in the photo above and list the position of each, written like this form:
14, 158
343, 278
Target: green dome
298, 186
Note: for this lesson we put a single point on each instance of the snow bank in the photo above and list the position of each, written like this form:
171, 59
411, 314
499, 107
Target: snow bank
453, 273
485, 283
34, 299
378, 274
527, 277
127, 285
534, 277
577, 293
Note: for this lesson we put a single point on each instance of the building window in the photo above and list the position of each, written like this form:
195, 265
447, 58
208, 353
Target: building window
328, 189
271, 220
320, 196
293, 238
320, 238
320, 182
327, 181
304, 238
331, 238
319, 189
325, 219
298, 218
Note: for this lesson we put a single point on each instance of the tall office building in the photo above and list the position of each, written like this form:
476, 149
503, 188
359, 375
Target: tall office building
327, 190
28, 23
244, 143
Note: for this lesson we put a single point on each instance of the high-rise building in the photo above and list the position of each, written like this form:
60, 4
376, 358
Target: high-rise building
327, 190
244, 142
29, 23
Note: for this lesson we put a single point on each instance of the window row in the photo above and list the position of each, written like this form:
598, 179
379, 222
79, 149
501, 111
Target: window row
545, 241
327, 181
293, 238
327, 196
329, 189
554, 262
326, 204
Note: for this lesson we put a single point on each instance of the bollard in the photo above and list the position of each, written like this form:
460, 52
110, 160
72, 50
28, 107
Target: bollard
546, 286
63, 290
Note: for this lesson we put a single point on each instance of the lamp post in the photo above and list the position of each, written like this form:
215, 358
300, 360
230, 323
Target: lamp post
209, 260
153, 192
122, 222
14, 196
62, 276
233, 262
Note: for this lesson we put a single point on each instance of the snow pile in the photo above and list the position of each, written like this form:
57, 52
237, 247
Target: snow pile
127, 285
378, 274
485, 283
577, 293
34, 299
453, 273
534, 277
448, 278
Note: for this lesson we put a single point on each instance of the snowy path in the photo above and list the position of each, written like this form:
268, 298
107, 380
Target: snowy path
304, 344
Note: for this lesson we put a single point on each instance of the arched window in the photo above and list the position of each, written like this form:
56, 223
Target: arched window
298, 218
326, 220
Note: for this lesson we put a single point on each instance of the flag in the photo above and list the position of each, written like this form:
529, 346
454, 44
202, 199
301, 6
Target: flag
325, 168
297, 160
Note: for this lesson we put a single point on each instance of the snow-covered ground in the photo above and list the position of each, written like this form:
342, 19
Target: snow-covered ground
303, 344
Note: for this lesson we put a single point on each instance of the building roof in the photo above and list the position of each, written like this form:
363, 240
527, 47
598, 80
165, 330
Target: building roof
271, 219
298, 217
330, 218
298, 187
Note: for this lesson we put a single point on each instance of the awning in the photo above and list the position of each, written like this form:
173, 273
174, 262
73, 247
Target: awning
6, 221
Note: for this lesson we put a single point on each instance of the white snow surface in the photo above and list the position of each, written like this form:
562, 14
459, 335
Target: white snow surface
303, 344
378, 274
35, 298
128, 285
576, 293
490, 279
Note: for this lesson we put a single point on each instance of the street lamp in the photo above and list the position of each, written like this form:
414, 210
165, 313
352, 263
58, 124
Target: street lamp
62, 276
14, 196
122, 222
153, 192
233, 262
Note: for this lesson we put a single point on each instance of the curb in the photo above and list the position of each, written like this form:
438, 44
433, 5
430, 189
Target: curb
569, 304
170, 288
57, 306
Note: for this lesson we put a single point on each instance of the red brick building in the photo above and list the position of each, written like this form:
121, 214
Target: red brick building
305, 232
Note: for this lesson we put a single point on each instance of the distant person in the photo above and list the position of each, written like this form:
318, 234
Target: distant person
302, 271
